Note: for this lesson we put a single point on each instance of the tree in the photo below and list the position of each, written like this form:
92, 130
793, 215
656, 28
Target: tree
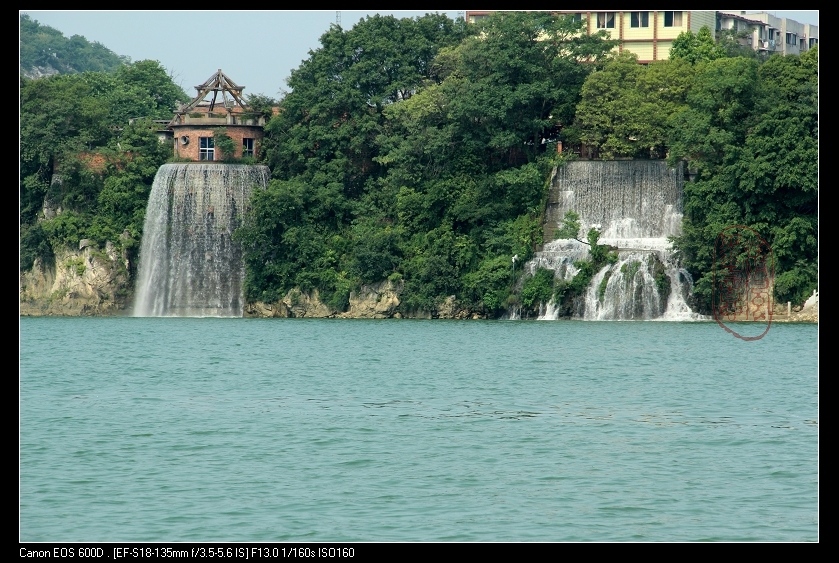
570, 228
664, 87
611, 114
733, 44
44, 49
418, 150
79, 153
323, 145
519, 80
60, 116
751, 132
700, 47
145, 89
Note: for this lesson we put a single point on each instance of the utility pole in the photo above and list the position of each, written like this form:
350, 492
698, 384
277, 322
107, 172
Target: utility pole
338, 17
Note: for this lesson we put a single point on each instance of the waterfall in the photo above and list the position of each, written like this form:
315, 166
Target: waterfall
189, 264
636, 206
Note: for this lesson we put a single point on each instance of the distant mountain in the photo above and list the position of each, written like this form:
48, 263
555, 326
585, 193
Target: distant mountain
45, 51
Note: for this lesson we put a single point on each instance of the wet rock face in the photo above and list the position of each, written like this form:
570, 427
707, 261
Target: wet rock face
636, 207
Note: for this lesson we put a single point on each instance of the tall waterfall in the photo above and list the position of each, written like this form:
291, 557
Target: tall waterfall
189, 264
636, 205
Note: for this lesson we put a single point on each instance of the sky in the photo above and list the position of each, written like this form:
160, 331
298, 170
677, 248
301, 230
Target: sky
257, 49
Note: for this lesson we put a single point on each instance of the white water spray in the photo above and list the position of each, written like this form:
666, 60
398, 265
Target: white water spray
636, 205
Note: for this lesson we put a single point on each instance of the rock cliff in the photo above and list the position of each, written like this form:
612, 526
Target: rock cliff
373, 301
82, 282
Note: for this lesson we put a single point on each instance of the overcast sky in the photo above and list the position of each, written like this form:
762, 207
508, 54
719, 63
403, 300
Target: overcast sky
256, 49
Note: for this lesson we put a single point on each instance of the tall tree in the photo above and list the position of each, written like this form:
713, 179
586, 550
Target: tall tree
324, 155
751, 133
77, 126
611, 114
699, 47
468, 155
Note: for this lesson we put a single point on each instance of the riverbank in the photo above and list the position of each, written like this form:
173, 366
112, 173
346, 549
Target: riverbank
806, 314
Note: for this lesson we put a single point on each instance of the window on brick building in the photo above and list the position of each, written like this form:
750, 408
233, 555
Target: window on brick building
206, 148
639, 19
247, 147
672, 19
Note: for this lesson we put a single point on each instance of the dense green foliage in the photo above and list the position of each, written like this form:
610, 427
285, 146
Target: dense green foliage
626, 108
748, 127
79, 154
751, 132
417, 150
570, 228
47, 49
699, 47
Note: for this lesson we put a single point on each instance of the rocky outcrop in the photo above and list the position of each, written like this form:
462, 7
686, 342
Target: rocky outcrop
304, 305
296, 303
373, 301
83, 282
449, 309
277, 310
38, 72
807, 313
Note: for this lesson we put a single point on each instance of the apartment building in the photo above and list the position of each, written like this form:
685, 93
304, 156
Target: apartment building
648, 34
770, 34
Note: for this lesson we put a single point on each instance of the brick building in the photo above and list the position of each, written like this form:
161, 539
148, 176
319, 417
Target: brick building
217, 119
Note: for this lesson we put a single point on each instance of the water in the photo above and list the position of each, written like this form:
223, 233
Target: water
636, 206
213, 429
189, 263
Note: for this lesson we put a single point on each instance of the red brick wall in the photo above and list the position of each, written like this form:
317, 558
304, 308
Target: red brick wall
191, 150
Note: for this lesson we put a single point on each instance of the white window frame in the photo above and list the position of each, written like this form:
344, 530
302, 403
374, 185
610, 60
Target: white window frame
206, 148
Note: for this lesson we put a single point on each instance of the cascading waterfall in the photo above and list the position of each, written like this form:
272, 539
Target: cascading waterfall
636, 206
189, 264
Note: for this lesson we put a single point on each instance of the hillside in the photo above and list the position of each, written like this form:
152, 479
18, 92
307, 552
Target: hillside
45, 51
